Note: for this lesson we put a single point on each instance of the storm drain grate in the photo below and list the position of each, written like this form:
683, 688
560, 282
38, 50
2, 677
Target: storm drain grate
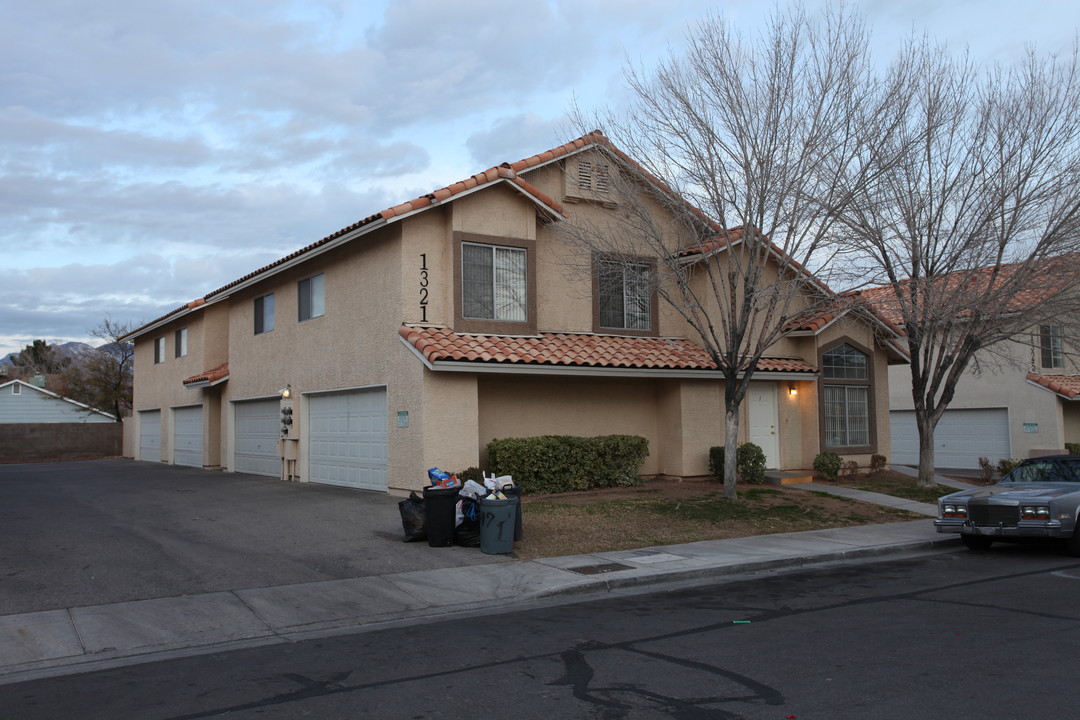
599, 569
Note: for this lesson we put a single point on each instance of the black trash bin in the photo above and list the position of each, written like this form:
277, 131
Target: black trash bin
497, 520
514, 491
441, 504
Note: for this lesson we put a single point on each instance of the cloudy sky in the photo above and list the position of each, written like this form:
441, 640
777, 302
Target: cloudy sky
154, 150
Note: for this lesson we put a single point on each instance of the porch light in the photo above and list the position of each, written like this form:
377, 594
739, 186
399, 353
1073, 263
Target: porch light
792, 390
286, 391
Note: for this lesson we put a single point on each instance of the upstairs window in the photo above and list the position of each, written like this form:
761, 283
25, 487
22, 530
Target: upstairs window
311, 299
845, 397
1050, 343
181, 342
494, 283
264, 314
159, 350
624, 296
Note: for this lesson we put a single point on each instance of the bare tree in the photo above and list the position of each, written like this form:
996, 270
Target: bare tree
102, 379
743, 150
40, 358
973, 219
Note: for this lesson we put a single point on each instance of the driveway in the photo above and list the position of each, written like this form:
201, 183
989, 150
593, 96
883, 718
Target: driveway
74, 534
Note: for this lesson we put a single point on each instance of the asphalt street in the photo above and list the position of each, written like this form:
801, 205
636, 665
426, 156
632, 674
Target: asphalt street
956, 635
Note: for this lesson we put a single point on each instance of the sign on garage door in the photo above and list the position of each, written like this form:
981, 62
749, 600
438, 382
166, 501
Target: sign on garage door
150, 435
188, 436
347, 439
961, 438
256, 437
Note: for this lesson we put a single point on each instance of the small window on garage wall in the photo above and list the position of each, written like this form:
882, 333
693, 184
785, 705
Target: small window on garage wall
159, 350
311, 297
16, 389
181, 342
264, 314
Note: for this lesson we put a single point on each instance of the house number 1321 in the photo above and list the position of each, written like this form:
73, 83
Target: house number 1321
423, 287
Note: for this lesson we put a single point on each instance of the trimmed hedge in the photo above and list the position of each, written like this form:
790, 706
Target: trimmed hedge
1073, 448
561, 463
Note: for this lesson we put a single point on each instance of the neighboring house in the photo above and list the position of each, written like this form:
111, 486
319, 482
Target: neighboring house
1023, 401
21, 402
417, 335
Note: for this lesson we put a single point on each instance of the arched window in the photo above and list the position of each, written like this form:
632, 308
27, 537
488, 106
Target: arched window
846, 383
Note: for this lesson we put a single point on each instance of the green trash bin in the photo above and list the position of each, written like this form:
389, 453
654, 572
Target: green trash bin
498, 519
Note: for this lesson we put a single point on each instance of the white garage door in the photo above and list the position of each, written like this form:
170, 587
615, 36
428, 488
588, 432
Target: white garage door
347, 439
256, 437
150, 435
961, 438
188, 436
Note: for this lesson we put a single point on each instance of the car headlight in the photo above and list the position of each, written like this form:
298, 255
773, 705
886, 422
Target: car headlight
953, 510
1035, 512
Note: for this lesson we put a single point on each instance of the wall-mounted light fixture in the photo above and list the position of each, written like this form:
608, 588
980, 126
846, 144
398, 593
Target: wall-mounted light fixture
286, 391
792, 390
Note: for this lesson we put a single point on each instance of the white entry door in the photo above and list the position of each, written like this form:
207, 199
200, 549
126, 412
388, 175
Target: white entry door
764, 421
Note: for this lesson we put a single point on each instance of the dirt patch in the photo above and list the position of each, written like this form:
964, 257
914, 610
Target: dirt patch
665, 512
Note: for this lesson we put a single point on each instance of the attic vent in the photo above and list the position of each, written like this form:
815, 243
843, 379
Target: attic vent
594, 176
16, 389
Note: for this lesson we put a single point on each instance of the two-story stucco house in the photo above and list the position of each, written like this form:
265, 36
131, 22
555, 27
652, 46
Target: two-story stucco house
417, 335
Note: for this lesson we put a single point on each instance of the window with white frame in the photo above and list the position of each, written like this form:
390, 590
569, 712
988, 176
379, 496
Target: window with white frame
264, 314
181, 342
16, 389
1050, 344
845, 397
494, 282
624, 295
311, 301
159, 350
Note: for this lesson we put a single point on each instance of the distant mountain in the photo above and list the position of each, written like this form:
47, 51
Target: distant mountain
73, 350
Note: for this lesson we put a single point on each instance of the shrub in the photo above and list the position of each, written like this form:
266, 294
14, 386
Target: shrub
987, 470
828, 464
1073, 448
1005, 465
749, 463
851, 469
562, 463
878, 464
474, 473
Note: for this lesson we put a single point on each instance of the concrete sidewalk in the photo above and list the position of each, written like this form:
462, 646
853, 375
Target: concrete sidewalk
80, 639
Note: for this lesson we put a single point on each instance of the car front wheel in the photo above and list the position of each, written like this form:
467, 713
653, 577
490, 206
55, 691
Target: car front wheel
978, 542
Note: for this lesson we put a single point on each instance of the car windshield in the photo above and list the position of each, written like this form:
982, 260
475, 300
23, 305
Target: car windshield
1043, 472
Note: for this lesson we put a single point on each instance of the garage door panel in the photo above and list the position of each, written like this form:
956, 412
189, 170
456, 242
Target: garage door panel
256, 435
347, 439
961, 438
150, 435
188, 436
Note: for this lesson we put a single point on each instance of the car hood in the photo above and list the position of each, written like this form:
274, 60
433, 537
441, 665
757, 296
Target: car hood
1017, 491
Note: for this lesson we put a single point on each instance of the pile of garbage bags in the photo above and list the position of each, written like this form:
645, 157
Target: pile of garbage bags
468, 514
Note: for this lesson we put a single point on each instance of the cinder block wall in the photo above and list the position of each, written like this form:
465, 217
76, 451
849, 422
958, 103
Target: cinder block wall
20, 442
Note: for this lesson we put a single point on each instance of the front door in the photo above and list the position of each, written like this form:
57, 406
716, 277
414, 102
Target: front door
764, 421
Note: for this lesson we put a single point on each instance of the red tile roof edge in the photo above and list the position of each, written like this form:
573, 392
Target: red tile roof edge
213, 375
573, 349
1067, 386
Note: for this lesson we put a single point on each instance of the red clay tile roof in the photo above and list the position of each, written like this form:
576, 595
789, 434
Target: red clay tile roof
214, 375
1053, 276
575, 350
1068, 386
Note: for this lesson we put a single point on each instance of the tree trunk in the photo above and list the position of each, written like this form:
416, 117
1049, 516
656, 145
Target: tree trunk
926, 451
731, 448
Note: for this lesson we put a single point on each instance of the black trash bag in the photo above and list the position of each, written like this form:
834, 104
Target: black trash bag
467, 533
413, 518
